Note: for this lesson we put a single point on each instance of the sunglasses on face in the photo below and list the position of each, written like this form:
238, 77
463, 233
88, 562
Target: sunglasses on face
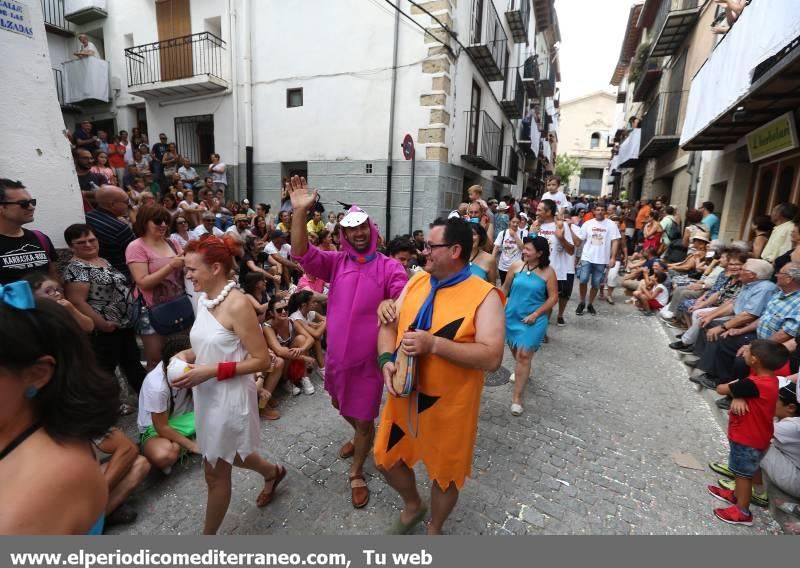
161, 222
282, 310
23, 203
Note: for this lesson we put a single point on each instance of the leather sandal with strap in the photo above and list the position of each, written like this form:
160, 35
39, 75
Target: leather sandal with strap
347, 450
359, 492
265, 497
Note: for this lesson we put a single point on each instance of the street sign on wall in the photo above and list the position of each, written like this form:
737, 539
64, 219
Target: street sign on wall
775, 137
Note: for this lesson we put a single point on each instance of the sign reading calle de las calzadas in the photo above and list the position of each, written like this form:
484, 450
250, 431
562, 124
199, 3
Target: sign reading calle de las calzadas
775, 137
14, 17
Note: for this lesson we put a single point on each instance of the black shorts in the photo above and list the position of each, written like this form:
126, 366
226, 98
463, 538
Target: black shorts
565, 287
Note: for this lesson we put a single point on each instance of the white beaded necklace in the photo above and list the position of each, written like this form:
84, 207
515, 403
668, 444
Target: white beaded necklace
211, 304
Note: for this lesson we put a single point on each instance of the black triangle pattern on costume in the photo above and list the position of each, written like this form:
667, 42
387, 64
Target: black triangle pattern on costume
395, 435
425, 401
449, 331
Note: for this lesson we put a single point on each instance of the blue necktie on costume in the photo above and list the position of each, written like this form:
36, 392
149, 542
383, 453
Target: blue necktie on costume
424, 319
18, 295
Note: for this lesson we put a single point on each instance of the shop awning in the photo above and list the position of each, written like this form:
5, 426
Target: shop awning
737, 89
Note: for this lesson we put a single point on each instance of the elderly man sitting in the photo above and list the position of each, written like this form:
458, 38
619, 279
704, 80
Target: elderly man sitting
779, 321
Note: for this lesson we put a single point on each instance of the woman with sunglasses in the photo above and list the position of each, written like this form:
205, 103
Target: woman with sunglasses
156, 265
289, 342
225, 355
179, 231
54, 402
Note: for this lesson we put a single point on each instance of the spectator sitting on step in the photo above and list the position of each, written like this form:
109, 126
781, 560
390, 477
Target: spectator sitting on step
655, 295
188, 173
124, 471
782, 461
166, 414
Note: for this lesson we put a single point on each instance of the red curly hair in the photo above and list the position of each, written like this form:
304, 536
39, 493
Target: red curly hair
215, 250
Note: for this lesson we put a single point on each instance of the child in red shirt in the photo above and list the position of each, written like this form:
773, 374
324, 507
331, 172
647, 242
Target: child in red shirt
750, 426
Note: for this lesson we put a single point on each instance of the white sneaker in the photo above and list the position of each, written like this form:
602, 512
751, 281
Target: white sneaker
512, 378
308, 386
289, 387
516, 409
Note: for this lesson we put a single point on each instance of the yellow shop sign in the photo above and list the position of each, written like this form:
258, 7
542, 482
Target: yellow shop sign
775, 137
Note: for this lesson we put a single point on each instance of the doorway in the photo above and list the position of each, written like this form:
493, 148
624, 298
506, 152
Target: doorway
474, 119
174, 33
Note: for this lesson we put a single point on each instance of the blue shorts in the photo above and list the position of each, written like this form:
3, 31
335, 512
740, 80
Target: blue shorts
744, 461
596, 271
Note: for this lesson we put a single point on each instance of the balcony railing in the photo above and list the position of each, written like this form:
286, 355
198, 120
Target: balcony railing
530, 77
509, 166
487, 41
58, 79
649, 79
185, 57
674, 20
53, 13
547, 86
660, 128
518, 15
513, 102
483, 141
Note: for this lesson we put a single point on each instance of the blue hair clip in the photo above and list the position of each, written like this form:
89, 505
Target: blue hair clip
17, 295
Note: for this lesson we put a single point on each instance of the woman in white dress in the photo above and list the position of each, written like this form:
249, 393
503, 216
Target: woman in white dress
227, 349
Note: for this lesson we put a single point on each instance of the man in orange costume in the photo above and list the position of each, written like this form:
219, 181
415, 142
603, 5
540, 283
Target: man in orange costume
459, 334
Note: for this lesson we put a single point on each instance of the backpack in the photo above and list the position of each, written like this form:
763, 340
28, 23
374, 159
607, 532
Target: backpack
674, 231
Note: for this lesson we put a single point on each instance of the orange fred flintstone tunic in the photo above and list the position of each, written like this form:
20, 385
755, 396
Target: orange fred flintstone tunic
438, 423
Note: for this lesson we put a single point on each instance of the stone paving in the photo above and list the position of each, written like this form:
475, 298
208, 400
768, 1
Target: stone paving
608, 407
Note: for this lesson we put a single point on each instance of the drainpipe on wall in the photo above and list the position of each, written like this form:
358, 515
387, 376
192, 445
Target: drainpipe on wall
391, 126
248, 99
232, 33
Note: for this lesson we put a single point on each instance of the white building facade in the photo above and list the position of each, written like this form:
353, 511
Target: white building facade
329, 90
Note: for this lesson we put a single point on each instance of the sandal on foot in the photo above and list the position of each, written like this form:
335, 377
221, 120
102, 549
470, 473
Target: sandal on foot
399, 527
610, 300
359, 493
721, 468
347, 450
265, 497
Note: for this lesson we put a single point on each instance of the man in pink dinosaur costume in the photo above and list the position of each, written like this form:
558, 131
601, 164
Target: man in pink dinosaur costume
360, 279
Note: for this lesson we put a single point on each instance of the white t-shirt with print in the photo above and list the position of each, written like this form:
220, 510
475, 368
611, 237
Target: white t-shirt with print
597, 237
154, 398
662, 294
562, 262
560, 199
311, 317
510, 251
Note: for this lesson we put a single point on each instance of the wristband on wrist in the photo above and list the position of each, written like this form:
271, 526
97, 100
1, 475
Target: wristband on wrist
384, 358
226, 370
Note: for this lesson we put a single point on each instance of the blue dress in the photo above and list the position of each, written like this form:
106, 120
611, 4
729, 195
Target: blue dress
528, 293
478, 271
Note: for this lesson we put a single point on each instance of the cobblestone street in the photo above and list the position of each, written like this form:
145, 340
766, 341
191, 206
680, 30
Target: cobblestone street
608, 408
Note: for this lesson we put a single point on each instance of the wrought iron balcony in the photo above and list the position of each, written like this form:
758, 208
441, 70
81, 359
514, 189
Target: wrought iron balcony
674, 20
518, 15
487, 41
530, 77
483, 141
509, 166
543, 12
649, 79
513, 102
54, 20
660, 128
85, 11
547, 86
58, 79
185, 65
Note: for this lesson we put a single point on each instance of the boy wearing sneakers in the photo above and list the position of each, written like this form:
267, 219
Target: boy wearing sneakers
750, 426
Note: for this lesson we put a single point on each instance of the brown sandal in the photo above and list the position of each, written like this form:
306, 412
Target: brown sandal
359, 494
265, 497
348, 450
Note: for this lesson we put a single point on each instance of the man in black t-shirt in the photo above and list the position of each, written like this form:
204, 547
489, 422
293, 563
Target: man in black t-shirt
21, 251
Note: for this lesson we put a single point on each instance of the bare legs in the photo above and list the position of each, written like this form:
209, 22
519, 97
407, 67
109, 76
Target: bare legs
218, 479
522, 370
401, 478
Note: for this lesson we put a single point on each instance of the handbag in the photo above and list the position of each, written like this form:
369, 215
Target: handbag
173, 316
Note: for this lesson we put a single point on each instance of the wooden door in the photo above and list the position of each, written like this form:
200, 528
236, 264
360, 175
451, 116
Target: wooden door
174, 33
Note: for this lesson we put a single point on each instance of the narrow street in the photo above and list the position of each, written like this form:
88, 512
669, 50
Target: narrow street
608, 409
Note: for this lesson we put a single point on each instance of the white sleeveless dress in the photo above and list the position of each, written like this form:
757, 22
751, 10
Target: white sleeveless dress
226, 412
